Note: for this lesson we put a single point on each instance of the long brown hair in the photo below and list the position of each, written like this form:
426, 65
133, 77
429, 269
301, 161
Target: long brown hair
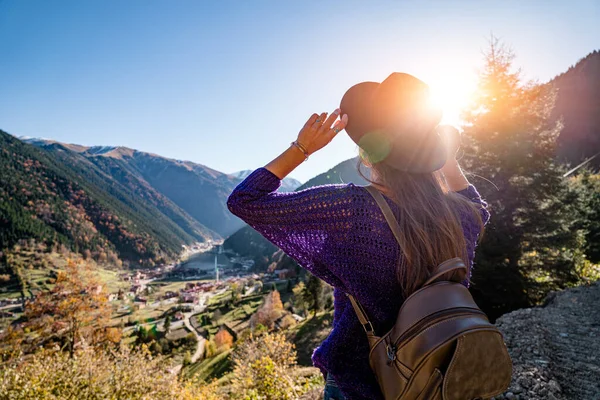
429, 220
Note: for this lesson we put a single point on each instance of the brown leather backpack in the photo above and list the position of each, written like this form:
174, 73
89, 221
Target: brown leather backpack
442, 346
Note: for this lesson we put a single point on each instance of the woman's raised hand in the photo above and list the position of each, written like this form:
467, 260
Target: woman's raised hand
318, 132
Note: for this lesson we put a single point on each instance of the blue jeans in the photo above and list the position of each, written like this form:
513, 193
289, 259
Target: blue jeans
332, 391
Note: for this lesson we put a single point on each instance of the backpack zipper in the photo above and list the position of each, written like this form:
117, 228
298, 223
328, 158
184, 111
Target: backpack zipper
429, 321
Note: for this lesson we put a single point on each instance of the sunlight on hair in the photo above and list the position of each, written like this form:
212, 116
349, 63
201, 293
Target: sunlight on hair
452, 93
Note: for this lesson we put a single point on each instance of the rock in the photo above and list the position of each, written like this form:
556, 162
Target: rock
554, 386
555, 349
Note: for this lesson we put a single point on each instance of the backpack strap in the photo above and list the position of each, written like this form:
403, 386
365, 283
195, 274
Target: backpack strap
387, 211
362, 315
445, 267
393, 223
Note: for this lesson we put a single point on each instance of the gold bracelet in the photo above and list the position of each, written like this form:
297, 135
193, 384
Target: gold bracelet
302, 149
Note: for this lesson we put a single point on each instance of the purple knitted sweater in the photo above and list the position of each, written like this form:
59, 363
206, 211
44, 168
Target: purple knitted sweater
339, 234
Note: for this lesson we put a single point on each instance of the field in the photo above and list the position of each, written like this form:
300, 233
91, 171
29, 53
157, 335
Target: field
38, 269
210, 368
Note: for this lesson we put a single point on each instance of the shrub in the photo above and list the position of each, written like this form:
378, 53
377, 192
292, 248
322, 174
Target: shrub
93, 374
287, 322
263, 369
187, 358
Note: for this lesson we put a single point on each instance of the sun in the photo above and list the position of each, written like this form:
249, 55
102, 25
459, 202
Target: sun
452, 93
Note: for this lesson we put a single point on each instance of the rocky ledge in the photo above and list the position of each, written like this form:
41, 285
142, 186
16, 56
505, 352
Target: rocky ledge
555, 347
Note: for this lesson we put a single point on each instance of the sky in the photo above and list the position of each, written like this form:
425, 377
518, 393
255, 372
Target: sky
228, 84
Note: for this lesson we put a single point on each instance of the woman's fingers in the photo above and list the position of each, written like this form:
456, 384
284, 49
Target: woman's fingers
311, 120
337, 128
330, 120
319, 121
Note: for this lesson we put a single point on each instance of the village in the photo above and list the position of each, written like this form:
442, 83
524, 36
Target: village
185, 303
181, 292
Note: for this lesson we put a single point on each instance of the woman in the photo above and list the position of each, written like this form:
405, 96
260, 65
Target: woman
338, 232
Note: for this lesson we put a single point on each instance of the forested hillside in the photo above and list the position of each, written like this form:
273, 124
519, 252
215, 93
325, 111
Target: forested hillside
578, 104
344, 172
57, 198
190, 194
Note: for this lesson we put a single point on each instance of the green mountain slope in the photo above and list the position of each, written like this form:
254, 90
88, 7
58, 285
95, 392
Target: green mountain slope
344, 172
190, 194
578, 105
60, 197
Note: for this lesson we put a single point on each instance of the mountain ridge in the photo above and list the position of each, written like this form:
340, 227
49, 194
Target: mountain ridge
287, 184
61, 199
578, 107
197, 192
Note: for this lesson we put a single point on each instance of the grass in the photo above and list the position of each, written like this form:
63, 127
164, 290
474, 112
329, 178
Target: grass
111, 279
220, 298
161, 287
210, 368
309, 334
234, 317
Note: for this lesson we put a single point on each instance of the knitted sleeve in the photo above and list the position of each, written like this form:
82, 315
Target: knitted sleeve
303, 224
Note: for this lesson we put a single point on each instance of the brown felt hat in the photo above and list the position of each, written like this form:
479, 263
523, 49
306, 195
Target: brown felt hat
394, 122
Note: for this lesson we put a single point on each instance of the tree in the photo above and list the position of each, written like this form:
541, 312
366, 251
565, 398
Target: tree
167, 324
223, 340
269, 312
509, 139
300, 303
187, 358
588, 190
313, 294
262, 369
74, 311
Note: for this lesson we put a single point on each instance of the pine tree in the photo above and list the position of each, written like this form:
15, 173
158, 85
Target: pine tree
313, 294
509, 139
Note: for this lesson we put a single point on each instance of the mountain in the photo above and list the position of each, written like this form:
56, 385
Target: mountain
249, 242
287, 184
56, 195
578, 104
344, 172
190, 194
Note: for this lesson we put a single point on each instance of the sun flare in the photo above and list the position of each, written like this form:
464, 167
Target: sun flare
452, 94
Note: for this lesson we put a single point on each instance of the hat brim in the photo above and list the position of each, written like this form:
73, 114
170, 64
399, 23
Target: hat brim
393, 123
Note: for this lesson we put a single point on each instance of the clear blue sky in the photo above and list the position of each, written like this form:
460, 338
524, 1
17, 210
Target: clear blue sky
228, 84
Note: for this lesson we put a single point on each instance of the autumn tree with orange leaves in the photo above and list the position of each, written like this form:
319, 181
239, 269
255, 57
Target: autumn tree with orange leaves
74, 311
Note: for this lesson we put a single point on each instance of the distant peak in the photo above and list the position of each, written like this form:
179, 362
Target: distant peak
111, 151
